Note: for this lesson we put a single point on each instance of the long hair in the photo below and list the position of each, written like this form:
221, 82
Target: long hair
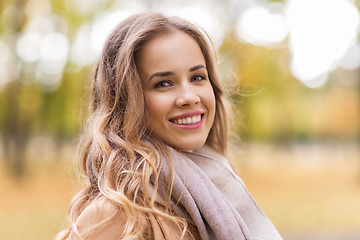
116, 156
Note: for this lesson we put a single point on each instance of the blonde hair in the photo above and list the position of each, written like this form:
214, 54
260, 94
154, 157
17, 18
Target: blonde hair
116, 156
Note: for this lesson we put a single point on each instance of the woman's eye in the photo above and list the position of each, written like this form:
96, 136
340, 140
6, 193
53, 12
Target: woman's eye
198, 77
163, 84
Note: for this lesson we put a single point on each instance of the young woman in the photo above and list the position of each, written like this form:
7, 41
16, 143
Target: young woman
154, 147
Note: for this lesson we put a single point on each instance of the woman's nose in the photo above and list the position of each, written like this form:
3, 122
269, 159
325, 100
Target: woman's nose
187, 96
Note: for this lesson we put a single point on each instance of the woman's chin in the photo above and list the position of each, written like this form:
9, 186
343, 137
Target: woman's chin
188, 147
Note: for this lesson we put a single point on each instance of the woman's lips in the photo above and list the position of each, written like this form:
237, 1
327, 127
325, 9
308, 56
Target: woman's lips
187, 114
188, 120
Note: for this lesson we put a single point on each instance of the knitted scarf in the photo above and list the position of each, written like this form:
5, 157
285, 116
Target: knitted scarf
209, 194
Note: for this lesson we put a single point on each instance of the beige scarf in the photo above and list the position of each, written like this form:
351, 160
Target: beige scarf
209, 194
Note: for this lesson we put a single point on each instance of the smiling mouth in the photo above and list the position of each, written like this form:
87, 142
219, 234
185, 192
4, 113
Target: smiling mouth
188, 120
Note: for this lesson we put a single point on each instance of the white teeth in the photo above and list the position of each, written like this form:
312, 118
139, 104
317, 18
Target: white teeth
194, 119
188, 120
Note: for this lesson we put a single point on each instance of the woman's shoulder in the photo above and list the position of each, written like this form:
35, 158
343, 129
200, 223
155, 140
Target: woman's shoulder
99, 220
103, 220
100, 209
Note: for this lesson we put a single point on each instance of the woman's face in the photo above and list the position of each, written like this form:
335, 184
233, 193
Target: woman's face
178, 93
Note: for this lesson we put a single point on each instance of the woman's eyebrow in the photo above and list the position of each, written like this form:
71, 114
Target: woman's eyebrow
168, 73
194, 68
160, 74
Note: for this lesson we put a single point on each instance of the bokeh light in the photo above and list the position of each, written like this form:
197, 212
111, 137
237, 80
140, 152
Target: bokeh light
351, 59
320, 33
82, 52
104, 23
28, 47
205, 16
55, 48
263, 25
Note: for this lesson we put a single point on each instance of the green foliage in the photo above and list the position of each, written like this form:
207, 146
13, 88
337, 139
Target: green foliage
274, 106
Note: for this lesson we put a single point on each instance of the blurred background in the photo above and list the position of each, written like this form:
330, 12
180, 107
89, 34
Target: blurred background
291, 68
